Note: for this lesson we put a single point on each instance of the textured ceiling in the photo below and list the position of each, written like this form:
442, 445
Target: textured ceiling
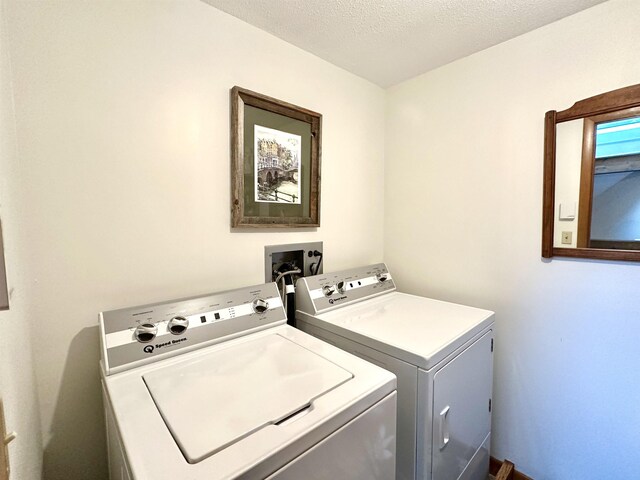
388, 41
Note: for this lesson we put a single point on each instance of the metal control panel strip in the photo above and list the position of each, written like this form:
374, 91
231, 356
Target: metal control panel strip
139, 335
325, 292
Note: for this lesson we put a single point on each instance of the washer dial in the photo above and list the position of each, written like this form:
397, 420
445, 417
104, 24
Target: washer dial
382, 277
328, 290
145, 332
178, 325
260, 305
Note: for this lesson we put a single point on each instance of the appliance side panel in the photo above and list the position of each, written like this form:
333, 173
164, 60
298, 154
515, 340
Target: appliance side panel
303, 298
118, 469
462, 410
424, 416
363, 449
407, 376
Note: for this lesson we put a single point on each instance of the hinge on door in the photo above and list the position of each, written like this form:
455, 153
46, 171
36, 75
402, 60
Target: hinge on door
489, 404
492, 344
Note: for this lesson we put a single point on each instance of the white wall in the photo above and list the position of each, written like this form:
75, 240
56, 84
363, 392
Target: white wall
463, 200
17, 378
123, 127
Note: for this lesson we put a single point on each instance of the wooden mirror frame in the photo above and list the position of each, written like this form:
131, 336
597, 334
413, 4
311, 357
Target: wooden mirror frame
616, 100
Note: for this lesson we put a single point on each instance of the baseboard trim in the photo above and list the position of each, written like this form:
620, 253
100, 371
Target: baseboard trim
505, 470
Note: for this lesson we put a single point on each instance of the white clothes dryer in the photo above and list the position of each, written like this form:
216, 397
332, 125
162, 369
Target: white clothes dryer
441, 353
219, 387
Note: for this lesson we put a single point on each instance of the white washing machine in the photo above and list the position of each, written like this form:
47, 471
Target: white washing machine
442, 354
219, 387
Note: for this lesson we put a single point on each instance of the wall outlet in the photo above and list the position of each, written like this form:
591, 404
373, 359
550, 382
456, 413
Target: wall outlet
567, 238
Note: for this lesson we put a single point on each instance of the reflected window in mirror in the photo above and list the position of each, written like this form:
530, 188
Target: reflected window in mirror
615, 194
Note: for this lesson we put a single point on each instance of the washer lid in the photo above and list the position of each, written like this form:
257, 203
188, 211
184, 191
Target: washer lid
418, 330
211, 402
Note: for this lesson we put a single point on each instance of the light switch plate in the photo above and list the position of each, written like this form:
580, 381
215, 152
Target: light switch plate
567, 211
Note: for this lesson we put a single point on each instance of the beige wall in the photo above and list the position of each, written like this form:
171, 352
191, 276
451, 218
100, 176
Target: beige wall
123, 128
17, 378
463, 199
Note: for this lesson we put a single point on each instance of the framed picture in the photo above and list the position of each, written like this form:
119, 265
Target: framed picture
275, 162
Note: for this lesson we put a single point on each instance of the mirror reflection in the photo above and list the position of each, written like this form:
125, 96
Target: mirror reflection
568, 163
615, 212
597, 190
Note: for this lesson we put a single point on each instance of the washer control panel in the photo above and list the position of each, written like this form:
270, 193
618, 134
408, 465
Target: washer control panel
137, 335
324, 292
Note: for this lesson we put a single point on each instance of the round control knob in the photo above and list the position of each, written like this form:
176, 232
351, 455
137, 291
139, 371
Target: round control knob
178, 325
342, 286
328, 290
260, 305
146, 332
382, 277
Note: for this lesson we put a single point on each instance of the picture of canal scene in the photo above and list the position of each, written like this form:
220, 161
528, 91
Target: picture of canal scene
277, 166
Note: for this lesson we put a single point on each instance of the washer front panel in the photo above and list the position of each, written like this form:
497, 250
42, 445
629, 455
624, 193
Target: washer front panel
209, 319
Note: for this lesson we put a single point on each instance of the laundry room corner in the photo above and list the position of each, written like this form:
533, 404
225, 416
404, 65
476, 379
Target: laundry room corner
472, 134
161, 162
123, 168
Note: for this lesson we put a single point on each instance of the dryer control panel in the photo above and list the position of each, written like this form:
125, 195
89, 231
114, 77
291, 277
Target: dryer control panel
138, 335
327, 291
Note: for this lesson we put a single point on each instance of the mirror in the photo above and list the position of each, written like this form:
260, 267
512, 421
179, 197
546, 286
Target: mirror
591, 205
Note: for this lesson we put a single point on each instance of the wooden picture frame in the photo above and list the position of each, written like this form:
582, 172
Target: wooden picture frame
275, 162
